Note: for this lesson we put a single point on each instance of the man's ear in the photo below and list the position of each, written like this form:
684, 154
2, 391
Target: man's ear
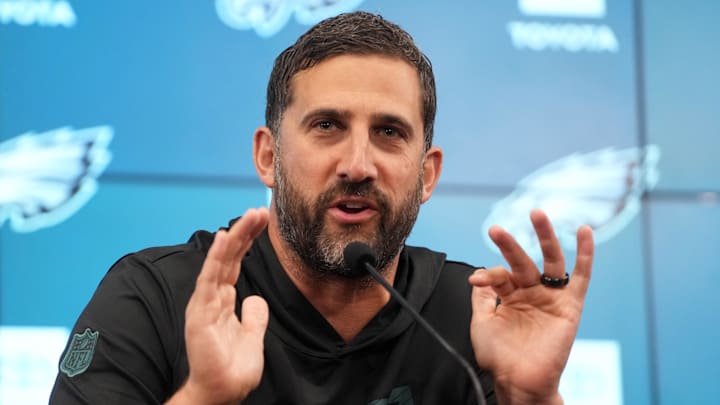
432, 167
264, 155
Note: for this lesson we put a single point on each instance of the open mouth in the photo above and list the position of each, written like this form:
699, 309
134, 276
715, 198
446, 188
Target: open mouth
352, 207
353, 210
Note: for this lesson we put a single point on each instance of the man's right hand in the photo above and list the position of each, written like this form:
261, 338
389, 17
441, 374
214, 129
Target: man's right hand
225, 355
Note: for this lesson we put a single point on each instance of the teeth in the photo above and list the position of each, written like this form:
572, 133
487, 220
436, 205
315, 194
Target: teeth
353, 205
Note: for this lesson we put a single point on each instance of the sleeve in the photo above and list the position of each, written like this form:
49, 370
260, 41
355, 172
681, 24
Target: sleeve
124, 345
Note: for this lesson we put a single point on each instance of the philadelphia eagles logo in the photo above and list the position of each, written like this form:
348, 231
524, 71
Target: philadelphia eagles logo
47, 177
601, 189
268, 17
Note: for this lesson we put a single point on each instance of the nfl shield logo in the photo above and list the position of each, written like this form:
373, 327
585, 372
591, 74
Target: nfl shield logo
79, 353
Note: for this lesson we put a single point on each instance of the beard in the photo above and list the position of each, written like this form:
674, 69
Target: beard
303, 226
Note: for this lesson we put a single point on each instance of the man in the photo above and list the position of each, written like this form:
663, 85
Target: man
266, 312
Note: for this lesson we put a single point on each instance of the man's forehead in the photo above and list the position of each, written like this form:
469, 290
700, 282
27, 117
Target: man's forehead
351, 72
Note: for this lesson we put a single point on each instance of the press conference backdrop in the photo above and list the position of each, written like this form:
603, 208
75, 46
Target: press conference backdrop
129, 124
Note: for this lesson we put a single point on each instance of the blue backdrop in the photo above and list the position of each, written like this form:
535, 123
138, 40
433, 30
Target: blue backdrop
600, 111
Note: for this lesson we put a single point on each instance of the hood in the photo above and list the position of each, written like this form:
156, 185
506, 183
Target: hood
299, 325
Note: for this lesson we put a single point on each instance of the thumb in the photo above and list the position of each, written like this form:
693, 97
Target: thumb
484, 302
255, 315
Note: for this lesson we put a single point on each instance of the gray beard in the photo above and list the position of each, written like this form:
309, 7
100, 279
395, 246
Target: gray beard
302, 225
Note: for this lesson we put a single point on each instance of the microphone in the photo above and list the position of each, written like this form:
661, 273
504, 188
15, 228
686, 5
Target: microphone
360, 257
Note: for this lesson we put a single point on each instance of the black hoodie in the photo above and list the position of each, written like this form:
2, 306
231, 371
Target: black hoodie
128, 344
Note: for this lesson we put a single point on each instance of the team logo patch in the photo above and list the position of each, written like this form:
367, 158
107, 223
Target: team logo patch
80, 353
398, 396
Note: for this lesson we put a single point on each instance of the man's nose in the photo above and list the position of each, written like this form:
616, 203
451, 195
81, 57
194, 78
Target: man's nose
358, 162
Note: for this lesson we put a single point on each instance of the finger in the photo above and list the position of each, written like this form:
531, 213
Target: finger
524, 271
222, 263
498, 278
240, 237
246, 229
583, 262
208, 281
211, 271
255, 315
553, 259
484, 302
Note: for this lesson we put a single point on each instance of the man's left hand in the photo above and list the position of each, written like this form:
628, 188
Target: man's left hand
525, 341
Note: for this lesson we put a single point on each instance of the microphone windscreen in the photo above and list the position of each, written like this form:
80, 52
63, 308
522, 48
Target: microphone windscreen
356, 254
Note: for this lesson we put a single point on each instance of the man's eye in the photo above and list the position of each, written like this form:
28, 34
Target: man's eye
324, 124
390, 132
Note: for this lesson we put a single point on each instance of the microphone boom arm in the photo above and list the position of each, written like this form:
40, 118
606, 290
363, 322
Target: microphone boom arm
403, 302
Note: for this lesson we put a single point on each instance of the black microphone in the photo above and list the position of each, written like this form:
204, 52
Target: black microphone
359, 257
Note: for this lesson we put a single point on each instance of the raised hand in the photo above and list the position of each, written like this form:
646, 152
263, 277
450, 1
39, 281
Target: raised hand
225, 355
526, 340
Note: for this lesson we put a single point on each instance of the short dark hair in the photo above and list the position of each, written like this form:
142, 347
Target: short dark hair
359, 33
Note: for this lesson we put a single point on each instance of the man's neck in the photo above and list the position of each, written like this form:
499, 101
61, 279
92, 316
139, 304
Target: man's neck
347, 304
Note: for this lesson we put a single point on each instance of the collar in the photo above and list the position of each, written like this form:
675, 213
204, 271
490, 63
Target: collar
295, 321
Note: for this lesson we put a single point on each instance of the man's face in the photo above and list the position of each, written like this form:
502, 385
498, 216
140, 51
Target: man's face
349, 162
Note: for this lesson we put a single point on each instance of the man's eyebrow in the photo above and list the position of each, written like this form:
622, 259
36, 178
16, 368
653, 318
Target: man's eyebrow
343, 115
393, 119
326, 113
